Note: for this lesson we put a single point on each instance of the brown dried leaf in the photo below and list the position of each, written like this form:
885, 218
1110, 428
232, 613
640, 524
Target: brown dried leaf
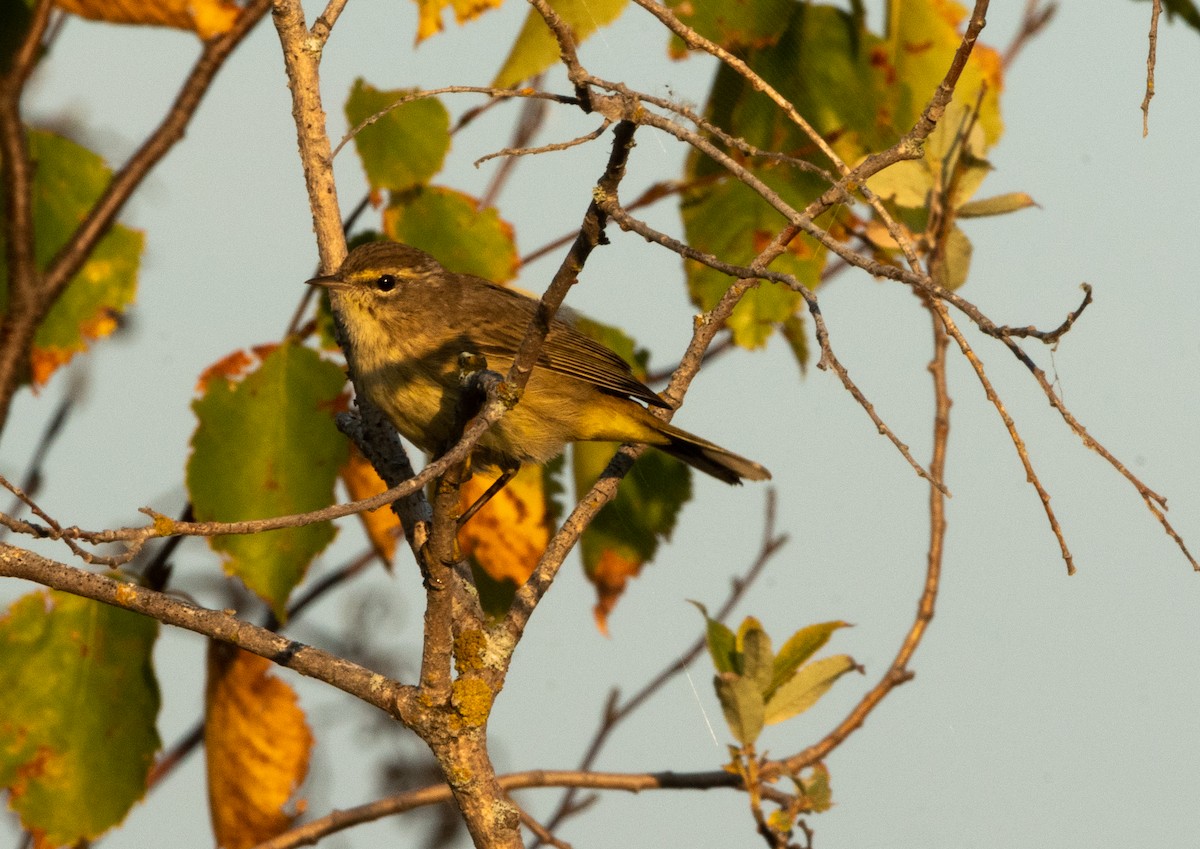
257, 744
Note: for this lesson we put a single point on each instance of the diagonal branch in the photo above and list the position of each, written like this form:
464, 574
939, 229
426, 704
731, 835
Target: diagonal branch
38, 296
898, 672
365, 684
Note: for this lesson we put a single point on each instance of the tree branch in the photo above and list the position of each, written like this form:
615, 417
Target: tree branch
390, 696
20, 323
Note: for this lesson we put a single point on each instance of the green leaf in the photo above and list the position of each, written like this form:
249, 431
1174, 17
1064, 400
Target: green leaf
951, 272
77, 720
729, 220
804, 688
734, 26
742, 704
627, 531
68, 179
722, 644
449, 225
818, 794
407, 145
922, 38
267, 446
757, 658
953, 163
797, 339
536, 49
997, 205
799, 648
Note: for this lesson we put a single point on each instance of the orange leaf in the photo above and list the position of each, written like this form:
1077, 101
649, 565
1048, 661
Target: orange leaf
382, 525
610, 576
44, 361
207, 18
509, 534
257, 745
230, 367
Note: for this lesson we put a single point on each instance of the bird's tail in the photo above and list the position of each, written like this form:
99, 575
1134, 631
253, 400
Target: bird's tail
710, 458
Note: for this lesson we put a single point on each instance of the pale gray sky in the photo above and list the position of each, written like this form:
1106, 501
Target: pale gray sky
1046, 711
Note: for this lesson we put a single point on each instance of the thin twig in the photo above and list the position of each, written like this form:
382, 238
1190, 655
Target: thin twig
1014, 436
1050, 337
898, 672
323, 25
533, 115
542, 833
498, 93
1151, 60
616, 711
546, 148
1035, 18
312, 832
828, 359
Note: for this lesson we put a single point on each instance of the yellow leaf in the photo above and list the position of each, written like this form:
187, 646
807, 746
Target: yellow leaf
429, 21
207, 18
257, 745
382, 525
509, 534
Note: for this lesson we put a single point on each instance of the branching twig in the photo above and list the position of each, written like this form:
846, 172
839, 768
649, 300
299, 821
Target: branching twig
25, 314
498, 93
546, 148
828, 359
1050, 337
312, 832
899, 672
1035, 18
616, 711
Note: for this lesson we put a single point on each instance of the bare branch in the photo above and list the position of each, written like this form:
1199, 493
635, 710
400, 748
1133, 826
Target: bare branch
547, 148
616, 711
369, 686
898, 672
1035, 18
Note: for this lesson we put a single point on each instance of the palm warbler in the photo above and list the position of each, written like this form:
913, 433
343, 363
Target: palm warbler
408, 319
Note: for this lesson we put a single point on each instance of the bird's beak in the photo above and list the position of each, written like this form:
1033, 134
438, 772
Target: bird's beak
329, 281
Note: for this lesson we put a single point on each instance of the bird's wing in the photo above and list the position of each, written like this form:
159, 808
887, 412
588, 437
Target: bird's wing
567, 351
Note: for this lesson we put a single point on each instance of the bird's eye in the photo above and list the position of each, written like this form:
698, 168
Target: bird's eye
385, 282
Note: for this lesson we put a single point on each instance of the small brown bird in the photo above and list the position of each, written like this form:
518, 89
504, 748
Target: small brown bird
408, 319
